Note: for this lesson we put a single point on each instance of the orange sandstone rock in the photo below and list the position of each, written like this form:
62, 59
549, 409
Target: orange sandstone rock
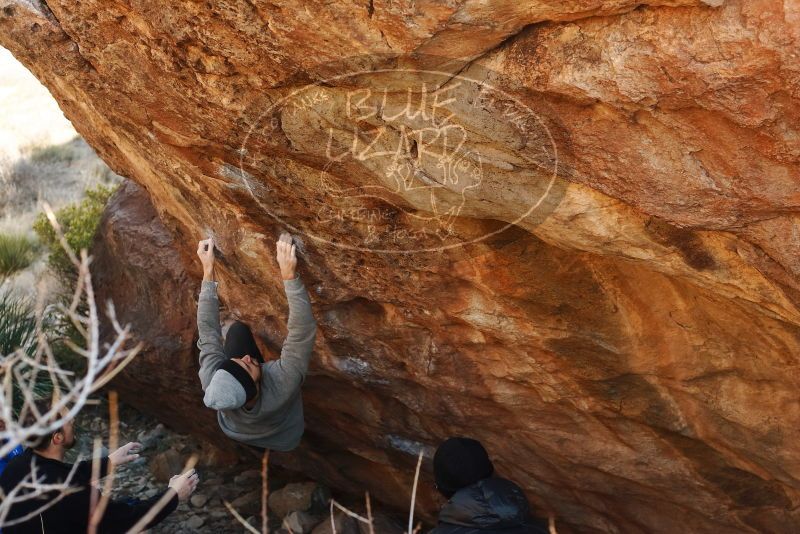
568, 229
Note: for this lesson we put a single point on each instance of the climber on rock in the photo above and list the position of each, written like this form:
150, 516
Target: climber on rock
258, 403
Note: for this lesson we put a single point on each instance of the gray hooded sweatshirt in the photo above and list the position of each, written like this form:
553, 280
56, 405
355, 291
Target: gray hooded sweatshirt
276, 421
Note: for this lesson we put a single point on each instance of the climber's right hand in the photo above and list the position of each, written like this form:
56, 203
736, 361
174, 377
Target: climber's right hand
287, 256
185, 484
205, 251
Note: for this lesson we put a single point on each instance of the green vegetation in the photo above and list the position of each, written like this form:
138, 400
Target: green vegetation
18, 331
58, 173
64, 153
79, 223
17, 323
17, 252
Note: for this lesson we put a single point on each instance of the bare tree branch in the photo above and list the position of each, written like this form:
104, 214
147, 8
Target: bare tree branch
162, 502
551, 524
369, 514
96, 514
414, 494
27, 370
239, 518
264, 492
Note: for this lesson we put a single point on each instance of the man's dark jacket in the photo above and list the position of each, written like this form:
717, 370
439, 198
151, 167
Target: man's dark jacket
70, 514
491, 506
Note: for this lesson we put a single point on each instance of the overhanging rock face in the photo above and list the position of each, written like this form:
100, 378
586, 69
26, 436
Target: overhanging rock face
569, 229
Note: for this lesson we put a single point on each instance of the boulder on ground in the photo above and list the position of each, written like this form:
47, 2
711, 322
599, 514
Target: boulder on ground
166, 464
248, 503
301, 522
343, 522
149, 438
198, 500
300, 496
381, 524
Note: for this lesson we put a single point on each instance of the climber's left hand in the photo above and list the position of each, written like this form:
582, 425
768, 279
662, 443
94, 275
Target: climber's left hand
205, 251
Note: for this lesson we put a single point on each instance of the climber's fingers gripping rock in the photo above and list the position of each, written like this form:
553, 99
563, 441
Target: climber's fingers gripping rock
287, 256
205, 251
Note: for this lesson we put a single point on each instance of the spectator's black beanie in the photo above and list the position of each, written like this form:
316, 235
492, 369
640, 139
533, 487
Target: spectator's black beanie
458, 463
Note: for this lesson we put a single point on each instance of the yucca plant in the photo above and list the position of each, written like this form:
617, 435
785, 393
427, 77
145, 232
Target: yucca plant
17, 252
17, 323
18, 331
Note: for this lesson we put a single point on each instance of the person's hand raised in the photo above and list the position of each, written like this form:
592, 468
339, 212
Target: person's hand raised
205, 251
287, 256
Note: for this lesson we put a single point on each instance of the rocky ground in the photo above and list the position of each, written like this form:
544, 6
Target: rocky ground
296, 504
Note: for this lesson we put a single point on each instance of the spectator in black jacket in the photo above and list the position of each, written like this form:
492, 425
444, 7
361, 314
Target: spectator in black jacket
56, 512
479, 503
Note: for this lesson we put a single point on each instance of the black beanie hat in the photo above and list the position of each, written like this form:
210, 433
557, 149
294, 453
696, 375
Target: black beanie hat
458, 463
239, 341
